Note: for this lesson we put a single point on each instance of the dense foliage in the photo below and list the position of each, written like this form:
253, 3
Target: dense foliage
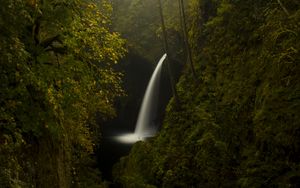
239, 125
56, 61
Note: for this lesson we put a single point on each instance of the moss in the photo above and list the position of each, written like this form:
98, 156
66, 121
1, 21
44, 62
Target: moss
239, 125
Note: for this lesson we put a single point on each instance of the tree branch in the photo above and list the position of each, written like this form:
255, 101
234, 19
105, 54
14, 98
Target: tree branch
283, 8
47, 42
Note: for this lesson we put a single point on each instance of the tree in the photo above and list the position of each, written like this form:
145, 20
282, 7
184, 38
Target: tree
56, 74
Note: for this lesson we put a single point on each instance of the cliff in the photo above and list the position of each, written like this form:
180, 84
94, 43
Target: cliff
238, 124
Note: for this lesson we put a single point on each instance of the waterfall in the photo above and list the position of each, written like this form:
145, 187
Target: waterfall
145, 125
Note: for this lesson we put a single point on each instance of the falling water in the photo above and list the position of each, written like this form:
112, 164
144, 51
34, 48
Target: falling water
145, 126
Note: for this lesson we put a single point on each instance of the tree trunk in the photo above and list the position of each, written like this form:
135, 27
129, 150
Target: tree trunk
166, 48
185, 37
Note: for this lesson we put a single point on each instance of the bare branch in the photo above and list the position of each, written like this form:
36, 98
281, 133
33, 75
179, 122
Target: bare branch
283, 8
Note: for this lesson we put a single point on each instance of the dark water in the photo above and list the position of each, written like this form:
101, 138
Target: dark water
109, 154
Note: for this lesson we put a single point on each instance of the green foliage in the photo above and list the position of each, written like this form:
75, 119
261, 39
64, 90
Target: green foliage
130, 174
239, 126
56, 60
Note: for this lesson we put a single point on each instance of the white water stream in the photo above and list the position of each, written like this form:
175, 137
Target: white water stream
145, 125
